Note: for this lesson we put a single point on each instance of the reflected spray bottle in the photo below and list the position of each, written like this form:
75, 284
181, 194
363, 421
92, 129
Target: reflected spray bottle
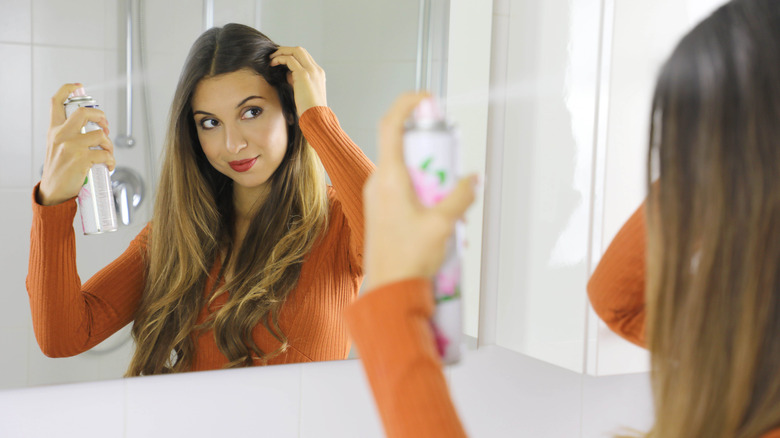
432, 159
95, 199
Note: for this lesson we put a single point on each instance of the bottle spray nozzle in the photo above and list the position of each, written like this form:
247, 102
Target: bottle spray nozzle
79, 92
428, 111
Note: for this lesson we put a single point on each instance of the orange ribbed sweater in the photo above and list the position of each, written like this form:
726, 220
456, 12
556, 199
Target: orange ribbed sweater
70, 318
617, 287
390, 326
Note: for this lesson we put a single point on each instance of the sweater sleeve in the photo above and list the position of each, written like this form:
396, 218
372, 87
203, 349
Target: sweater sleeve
392, 332
69, 318
348, 168
617, 286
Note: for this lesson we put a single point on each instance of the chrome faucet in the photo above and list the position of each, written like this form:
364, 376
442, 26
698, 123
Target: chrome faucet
128, 189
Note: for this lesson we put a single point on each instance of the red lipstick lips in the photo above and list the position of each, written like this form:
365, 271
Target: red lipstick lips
243, 165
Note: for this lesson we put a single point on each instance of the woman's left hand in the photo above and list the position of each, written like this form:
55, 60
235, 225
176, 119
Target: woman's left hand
306, 77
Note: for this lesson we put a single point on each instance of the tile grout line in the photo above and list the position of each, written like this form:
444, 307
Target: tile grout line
32, 110
124, 407
30, 176
300, 403
14, 43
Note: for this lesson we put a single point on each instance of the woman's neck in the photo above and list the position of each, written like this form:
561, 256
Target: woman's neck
246, 201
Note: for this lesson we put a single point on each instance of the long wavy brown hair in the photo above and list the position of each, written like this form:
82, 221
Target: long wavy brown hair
713, 289
193, 224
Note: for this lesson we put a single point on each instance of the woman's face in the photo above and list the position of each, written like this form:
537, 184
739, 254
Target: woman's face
241, 126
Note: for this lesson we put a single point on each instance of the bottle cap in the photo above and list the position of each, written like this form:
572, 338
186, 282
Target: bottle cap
428, 111
427, 115
79, 92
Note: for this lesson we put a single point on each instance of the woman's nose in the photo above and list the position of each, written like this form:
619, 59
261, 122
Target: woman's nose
235, 142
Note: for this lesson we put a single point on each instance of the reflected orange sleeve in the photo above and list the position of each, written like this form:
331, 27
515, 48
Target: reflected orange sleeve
617, 286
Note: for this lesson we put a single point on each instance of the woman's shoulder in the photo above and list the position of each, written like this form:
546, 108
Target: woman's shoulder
334, 204
336, 218
142, 238
775, 433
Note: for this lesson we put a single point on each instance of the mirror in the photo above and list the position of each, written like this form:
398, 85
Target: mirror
369, 51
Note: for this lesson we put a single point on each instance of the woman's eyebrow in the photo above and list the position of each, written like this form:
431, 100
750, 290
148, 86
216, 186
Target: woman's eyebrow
237, 106
248, 99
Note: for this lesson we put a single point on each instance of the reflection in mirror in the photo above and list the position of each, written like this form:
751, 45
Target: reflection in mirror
369, 54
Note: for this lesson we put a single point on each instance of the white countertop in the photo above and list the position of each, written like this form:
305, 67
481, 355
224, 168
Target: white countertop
498, 393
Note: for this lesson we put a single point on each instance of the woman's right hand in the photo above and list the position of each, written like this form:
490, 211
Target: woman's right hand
68, 153
405, 239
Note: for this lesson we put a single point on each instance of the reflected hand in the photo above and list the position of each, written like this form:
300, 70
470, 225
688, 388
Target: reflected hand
306, 77
404, 239
68, 153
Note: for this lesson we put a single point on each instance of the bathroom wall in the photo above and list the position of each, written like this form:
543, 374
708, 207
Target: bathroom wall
42, 48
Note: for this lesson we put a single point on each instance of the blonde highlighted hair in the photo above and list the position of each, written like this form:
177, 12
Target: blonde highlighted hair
713, 289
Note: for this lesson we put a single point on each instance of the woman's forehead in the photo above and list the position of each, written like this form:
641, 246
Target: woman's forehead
227, 90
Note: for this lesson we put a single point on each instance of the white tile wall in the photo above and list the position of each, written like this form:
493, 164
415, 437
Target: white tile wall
44, 370
75, 23
103, 362
15, 319
161, 75
14, 252
166, 44
13, 361
15, 21
360, 93
363, 31
294, 23
171, 26
15, 112
115, 354
234, 11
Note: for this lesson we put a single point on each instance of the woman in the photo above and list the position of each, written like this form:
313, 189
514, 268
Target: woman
249, 257
713, 292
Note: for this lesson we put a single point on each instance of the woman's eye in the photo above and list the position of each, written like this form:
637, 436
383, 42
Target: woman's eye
208, 123
251, 113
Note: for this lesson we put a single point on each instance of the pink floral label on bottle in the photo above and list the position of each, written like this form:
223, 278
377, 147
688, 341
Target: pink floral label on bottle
430, 185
